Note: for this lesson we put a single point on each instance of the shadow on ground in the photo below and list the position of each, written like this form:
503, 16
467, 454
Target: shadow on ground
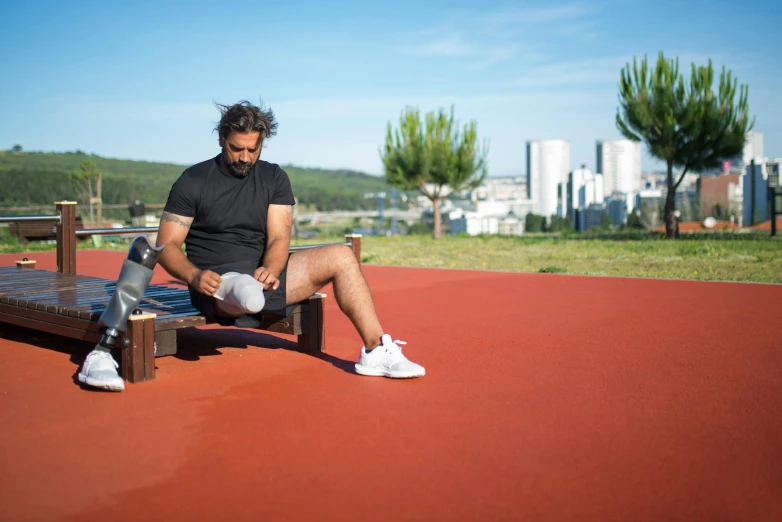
192, 344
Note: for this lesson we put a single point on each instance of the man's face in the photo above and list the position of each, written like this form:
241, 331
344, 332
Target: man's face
241, 151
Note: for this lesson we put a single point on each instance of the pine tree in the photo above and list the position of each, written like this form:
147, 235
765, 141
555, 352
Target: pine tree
687, 125
434, 158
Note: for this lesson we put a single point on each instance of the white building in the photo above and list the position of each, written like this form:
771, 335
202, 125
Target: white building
584, 189
488, 217
475, 223
753, 148
619, 161
522, 207
500, 188
492, 208
548, 164
690, 180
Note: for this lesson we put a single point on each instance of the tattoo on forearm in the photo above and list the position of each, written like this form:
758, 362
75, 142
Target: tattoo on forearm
173, 218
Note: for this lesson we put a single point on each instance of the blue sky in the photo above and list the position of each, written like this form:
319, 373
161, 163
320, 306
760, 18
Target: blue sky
137, 79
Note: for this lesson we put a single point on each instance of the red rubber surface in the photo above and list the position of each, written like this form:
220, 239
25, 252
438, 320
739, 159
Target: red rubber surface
547, 398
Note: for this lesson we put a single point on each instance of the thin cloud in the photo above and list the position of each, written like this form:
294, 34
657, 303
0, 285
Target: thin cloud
448, 46
494, 56
390, 108
584, 30
480, 41
584, 72
511, 21
455, 46
539, 15
600, 71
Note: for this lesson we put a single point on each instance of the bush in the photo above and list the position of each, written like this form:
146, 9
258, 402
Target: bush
419, 229
560, 224
534, 223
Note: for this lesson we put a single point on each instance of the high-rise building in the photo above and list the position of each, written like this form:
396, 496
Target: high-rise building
755, 191
617, 209
590, 217
584, 188
753, 148
548, 164
619, 161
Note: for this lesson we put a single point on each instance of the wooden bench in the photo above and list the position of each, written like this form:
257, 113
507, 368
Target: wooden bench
28, 231
70, 305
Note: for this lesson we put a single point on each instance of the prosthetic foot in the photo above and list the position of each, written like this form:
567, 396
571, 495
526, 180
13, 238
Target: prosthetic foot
100, 368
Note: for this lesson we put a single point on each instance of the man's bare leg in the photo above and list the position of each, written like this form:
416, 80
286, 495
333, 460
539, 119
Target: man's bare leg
310, 270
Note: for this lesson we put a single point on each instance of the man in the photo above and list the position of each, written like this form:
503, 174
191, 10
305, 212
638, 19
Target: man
234, 215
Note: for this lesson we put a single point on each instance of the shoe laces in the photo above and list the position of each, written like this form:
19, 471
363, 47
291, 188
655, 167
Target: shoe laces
98, 360
393, 350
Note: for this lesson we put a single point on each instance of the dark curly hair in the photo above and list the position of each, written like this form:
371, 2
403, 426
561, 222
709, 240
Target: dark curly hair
245, 117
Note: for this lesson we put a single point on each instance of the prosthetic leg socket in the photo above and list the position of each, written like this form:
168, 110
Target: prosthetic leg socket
133, 280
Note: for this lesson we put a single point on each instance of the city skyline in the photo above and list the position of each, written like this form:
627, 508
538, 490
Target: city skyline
138, 81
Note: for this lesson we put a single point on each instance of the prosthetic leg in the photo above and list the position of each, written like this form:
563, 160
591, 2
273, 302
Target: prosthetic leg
100, 368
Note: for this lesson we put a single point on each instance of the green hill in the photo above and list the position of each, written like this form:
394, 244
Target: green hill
40, 178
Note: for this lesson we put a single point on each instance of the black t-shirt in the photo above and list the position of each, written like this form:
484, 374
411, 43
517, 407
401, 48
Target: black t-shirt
229, 225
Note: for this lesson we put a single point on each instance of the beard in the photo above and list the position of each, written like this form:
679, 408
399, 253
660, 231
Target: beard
238, 168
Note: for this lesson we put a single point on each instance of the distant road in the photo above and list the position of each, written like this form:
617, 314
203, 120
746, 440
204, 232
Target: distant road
342, 214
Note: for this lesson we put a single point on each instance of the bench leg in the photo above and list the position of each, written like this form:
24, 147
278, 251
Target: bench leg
165, 342
314, 339
138, 358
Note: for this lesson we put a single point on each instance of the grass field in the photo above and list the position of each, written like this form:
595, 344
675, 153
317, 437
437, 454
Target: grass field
728, 257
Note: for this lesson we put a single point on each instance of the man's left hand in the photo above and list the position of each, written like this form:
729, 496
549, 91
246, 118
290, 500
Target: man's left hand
265, 276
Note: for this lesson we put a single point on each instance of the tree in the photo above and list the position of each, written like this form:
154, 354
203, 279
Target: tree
686, 212
435, 158
606, 223
649, 216
17, 148
534, 223
82, 182
633, 221
560, 224
688, 126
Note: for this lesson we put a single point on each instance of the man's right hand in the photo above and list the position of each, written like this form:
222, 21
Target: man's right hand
206, 282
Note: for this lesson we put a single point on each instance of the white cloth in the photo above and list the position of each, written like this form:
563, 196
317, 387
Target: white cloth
240, 294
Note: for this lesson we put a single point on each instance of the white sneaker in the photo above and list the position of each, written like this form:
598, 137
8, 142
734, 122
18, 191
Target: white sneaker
100, 370
387, 361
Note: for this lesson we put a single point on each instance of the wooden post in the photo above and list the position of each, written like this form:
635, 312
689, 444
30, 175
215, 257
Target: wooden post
25, 263
354, 240
314, 339
138, 358
66, 237
98, 192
